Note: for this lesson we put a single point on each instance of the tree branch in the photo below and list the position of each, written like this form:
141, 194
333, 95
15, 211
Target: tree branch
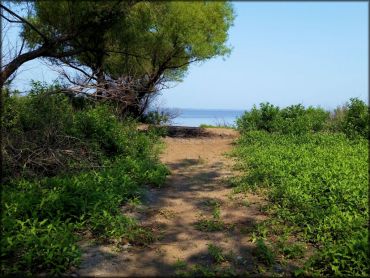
24, 21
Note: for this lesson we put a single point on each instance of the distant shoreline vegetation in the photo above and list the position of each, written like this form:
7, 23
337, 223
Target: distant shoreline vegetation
269, 117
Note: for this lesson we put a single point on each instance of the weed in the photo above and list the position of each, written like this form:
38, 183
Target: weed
180, 264
293, 251
317, 187
264, 253
216, 253
210, 225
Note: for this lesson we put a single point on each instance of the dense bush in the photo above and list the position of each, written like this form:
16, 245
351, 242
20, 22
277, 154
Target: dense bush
265, 118
352, 119
45, 135
317, 184
68, 170
37, 133
356, 121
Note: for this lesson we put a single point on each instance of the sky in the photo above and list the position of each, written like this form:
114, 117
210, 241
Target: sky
283, 53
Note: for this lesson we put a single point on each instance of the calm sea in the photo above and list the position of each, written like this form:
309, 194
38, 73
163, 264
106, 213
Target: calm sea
196, 117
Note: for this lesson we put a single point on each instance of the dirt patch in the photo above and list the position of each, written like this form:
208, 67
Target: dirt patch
197, 190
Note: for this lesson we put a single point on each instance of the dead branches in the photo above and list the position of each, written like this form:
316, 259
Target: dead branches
25, 156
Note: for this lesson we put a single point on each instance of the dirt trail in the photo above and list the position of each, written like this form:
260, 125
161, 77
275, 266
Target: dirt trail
198, 180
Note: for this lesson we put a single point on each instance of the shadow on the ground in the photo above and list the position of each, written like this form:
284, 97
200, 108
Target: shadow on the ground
190, 177
243, 260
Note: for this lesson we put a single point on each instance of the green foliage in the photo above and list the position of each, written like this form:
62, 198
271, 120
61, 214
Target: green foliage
318, 184
215, 223
351, 119
43, 215
210, 225
31, 245
134, 38
89, 200
294, 119
44, 134
264, 118
190, 31
356, 120
264, 253
216, 253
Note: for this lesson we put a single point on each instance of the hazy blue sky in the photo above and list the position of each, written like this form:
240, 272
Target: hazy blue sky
284, 53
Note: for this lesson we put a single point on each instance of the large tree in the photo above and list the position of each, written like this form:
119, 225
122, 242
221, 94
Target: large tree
158, 40
151, 46
127, 50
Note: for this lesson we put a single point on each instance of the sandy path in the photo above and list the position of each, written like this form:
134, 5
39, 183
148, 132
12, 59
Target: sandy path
199, 173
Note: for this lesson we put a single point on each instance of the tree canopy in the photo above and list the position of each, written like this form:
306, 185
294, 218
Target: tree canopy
148, 44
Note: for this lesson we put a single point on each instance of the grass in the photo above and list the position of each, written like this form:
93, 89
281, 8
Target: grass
317, 185
215, 223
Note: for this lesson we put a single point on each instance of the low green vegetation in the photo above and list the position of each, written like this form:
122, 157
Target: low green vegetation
210, 225
314, 169
215, 223
264, 253
222, 265
216, 253
69, 166
218, 125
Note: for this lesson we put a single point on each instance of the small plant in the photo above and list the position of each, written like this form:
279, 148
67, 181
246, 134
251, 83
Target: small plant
264, 253
215, 223
210, 225
293, 251
134, 202
216, 253
180, 264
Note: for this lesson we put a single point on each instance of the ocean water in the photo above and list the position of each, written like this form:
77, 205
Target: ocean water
196, 117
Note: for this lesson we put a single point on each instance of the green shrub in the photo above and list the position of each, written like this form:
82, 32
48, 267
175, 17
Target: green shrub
356, 121
86, 201
44, 135
294, 119
36, 137
264, 118
336, 120
351, 119
32, 246
264, 253
318, 184
68, 170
